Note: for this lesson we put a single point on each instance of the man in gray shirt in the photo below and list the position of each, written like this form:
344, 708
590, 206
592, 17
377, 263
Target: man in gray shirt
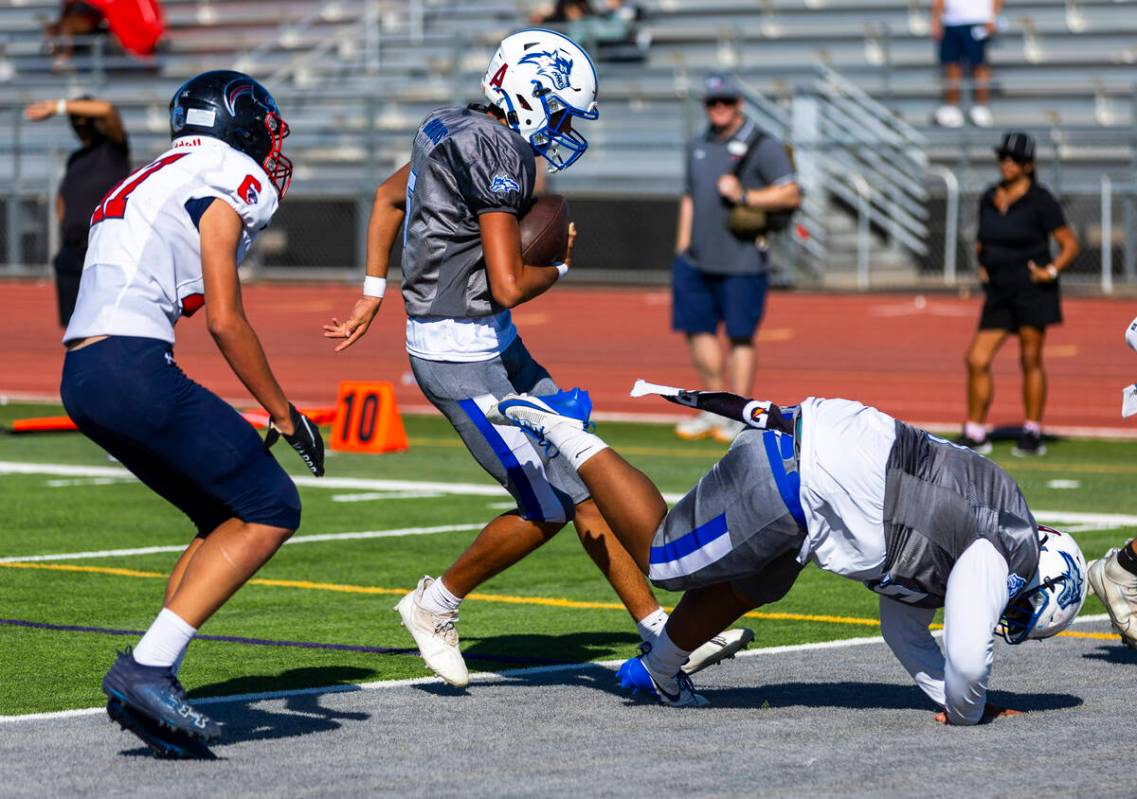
717, 277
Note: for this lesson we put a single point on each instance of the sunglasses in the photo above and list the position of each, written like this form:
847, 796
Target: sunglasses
715, 101
1019, 161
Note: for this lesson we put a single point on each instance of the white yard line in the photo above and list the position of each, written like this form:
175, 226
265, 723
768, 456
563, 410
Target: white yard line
483, 676
296, 539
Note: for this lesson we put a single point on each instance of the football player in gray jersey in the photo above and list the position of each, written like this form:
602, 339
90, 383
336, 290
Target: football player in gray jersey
920, 521
471, 176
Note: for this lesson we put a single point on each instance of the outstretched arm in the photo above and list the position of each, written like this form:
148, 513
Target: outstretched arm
761, 414
387, 214
102, 110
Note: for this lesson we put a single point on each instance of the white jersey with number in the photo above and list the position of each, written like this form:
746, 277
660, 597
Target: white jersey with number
143, 266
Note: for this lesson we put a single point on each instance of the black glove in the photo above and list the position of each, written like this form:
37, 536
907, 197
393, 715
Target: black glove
305, 439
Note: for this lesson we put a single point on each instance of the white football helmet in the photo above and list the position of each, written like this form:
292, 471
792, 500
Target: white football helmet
541, 79
1048, 603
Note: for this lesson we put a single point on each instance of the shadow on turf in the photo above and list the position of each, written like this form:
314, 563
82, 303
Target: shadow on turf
1118, 653
302, 715
865, 696
514, 652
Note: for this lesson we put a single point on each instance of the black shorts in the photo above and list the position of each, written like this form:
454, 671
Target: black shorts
128, 396
1012, 307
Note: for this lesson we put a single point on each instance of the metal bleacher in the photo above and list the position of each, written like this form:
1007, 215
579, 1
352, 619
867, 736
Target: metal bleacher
355, 78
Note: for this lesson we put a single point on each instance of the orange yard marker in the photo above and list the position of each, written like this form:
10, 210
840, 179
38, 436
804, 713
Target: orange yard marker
367, 419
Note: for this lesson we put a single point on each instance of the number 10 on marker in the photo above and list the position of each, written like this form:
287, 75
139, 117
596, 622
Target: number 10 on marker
367, 419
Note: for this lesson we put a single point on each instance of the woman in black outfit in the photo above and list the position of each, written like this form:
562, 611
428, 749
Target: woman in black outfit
1017, 218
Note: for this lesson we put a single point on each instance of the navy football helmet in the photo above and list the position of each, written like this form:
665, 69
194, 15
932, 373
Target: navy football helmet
231, 106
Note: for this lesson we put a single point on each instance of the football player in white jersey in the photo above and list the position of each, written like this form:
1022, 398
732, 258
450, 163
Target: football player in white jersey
920, 521
470, 178
164, 242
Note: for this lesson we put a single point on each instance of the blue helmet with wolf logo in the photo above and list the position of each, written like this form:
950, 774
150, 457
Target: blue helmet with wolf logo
1049, 602
542, 81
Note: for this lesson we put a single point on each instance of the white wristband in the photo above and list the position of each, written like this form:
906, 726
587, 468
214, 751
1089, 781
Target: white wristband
61, 106
1052, 270
562, 270
374, 286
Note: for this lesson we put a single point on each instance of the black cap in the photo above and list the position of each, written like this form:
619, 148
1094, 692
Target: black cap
722, 85
1016, 145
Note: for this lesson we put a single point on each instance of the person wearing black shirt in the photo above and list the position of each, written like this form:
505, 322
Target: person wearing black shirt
1017, 219
92, 171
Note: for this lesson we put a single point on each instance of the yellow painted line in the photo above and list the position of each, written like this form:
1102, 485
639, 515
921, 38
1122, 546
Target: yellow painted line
549, 602
507, 599
1095, 636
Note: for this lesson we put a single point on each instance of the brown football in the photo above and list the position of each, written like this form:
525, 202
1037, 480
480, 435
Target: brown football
544, 231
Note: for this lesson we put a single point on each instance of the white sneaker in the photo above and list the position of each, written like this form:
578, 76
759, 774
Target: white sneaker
981, 116
949, 116
721, 647
435, 636
727, 429
1117, 589
705, 425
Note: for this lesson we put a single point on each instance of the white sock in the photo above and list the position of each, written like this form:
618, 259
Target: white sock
665, 657
438, 600
975, 431
165, 641
651, 625
576, 445
1035, 428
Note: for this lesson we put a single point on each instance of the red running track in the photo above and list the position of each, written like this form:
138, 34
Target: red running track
899, 352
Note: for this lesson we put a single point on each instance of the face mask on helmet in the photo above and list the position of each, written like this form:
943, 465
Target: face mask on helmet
1052, 599
233, 107
531, 79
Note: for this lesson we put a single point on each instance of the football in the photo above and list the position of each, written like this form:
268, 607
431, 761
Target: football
544, 231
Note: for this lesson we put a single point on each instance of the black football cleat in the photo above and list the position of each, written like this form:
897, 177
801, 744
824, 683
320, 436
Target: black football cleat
150, 702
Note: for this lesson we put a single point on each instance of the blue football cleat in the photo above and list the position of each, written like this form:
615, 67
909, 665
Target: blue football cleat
676, 692
150, 702
535, 414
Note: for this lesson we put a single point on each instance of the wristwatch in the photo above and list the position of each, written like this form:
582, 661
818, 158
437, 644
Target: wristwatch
1052, 270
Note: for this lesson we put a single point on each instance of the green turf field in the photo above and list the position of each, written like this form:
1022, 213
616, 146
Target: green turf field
554, 606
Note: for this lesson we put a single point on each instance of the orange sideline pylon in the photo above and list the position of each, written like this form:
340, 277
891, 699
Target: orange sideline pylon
367, 418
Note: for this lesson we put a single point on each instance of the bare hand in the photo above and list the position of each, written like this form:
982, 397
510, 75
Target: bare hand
990, 713
981, 271
730, 188
992, 27
569, 246
39, 111
1039, 274
356, 325
937, 30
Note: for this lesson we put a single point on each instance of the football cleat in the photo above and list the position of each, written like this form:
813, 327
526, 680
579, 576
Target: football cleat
150, 702
696, 428
722, 647
536, 414
1117, 589
676, 691
435, 636
162, 741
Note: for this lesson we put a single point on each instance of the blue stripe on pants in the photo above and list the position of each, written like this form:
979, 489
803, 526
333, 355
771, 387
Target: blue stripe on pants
530, 505
686, 544
779, 447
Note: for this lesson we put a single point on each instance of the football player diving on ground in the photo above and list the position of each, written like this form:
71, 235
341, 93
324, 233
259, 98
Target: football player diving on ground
164, 242
470, 178
920, 521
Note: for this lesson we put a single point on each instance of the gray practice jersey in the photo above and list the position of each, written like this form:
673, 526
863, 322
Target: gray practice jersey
939, 499
464, 164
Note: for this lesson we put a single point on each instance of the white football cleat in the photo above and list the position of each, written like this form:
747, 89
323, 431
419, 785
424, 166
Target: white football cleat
723, 646
704, 425
1117, 589
727, 430
435, 636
